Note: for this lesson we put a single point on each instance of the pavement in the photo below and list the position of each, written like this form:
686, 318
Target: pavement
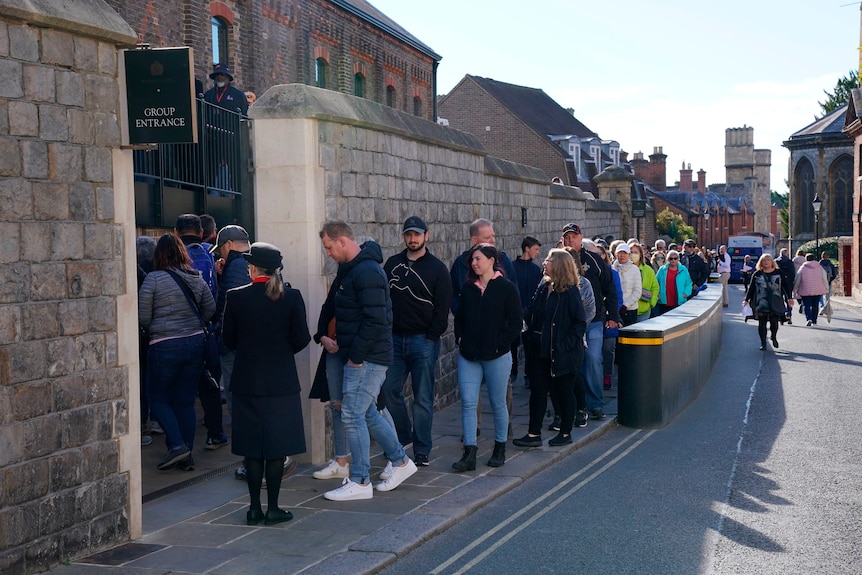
195, 523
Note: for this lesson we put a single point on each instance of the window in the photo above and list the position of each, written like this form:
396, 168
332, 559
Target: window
804, 183
417, 105
359, 85
320, 73
390, 96
220, 31
841, 185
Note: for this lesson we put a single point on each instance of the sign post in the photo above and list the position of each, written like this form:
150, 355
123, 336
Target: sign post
160, 98
638, 211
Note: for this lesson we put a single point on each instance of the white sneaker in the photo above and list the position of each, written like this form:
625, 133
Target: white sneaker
350, 491
399, 474
332, 471
387, 472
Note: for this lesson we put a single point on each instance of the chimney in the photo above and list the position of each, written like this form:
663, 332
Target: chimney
640, 167
701, 182
685, 178
658, 170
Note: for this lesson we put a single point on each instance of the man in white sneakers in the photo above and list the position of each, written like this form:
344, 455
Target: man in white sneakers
363, 327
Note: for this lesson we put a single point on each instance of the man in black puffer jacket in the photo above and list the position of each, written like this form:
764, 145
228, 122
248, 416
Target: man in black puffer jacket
363, 341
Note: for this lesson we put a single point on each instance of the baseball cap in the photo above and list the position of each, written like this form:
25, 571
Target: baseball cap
690, 243
414, 224
623, 248
570, 227
227, 234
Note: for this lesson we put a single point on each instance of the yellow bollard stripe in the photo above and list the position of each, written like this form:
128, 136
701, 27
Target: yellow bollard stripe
641, 340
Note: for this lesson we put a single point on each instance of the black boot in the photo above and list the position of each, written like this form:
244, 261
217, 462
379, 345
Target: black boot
498, 458
467, 461
762, 344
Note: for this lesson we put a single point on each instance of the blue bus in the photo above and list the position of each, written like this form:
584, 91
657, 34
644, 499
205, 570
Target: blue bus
740, 246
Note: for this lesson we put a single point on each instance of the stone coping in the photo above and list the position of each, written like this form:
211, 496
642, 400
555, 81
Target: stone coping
93, 18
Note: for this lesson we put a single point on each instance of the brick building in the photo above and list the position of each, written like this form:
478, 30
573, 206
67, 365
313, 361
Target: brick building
343, 45
525, 125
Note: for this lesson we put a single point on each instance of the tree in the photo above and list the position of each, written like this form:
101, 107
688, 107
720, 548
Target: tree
673, 226
841, 94
781, 201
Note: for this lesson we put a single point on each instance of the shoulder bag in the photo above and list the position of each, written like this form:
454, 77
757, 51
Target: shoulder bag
212, 359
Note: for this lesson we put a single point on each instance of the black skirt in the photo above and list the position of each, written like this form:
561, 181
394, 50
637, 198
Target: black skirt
267, 427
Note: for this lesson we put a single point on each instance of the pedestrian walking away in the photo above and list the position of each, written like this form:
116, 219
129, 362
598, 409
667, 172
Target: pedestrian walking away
420, 290
363, 323
810, 285
266, 325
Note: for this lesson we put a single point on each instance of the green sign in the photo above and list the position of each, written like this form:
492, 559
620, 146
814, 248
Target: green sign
160, 95
638, 208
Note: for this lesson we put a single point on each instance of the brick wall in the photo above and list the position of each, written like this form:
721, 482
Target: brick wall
63, 389
277, 42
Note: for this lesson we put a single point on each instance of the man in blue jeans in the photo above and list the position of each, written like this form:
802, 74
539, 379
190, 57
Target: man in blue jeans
421, 290
607, 315
363, 342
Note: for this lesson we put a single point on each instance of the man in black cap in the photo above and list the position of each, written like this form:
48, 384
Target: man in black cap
421, 290
223, 94
696, 265
607, 315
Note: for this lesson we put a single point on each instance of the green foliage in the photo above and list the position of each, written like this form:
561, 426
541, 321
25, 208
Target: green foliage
828, 245
782, 201
840, 95
673, 226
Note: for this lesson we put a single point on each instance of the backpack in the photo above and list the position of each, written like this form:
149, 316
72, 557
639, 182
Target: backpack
203, 262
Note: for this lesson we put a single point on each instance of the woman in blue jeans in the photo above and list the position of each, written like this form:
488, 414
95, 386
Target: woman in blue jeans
488, 319
175, 357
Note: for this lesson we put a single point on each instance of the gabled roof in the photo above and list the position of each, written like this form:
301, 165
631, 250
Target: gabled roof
827, 127
534, 108
367, 12
854, 113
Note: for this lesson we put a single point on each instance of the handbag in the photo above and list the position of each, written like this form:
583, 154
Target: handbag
212, 358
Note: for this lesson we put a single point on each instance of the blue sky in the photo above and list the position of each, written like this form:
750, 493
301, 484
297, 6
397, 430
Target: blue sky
667, 73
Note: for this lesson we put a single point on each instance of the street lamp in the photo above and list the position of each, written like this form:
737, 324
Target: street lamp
816, 204
706, 226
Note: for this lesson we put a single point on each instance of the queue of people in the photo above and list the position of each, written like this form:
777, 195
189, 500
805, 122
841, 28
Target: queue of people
381, 322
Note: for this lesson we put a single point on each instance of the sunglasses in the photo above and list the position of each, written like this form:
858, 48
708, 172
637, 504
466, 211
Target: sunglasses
672, 259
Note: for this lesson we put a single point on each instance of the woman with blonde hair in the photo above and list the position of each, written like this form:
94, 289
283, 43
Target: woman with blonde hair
767, 295
556, 324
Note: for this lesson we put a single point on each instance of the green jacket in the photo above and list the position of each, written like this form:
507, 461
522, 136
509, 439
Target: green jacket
649, 284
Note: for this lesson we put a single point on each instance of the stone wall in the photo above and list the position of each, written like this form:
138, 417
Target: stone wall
320, 155
65, 405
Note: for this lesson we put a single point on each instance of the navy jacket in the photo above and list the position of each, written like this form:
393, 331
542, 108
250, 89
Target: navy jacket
363, 310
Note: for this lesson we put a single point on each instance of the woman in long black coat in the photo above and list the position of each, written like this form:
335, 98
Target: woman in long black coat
265, 323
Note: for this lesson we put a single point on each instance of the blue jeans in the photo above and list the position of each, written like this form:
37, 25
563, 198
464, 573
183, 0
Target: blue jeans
360, 417
334, 380
593, 363
174, 367
811, 306
495, 372
416, 355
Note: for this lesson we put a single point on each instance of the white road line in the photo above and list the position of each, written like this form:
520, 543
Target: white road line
539, 501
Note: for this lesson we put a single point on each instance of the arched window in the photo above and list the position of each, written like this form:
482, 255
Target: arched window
359, 85
390, 96
220, 40
417, 106
805, 192
320, 73
841, 196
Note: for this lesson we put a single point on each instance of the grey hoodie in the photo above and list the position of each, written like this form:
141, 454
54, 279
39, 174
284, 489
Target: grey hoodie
163, 308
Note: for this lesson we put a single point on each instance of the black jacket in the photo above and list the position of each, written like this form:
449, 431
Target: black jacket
787, 269
458, 274
697, 268
363, 310
486, 324
604, 290
421, 292
265, 334
556, 324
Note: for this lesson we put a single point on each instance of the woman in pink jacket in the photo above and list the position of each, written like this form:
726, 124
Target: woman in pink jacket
810, 284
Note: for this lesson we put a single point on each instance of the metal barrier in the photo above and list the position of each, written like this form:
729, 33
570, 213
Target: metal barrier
665, 361
210, 176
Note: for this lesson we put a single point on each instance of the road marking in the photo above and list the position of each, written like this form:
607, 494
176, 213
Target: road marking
541, 499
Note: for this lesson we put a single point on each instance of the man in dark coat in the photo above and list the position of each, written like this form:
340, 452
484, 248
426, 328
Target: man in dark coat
788, 275
363, 327
696, 265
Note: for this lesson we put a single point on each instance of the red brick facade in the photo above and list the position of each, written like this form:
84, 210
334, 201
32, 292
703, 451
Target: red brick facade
277, 42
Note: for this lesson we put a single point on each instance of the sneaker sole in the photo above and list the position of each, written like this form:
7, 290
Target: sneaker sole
354, 497
214, 446
175, 459
385, 486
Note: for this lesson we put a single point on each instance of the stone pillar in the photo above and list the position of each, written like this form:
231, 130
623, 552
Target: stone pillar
615, 185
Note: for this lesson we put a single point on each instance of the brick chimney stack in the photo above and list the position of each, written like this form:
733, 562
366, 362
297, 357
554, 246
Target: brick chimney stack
657, 170
640, 166
685, 178
701, 182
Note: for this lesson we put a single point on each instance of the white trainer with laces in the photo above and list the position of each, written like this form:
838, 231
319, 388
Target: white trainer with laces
398, 476
350, 491
332, 471
387, 472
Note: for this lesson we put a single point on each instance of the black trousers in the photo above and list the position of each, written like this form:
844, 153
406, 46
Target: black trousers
562, 389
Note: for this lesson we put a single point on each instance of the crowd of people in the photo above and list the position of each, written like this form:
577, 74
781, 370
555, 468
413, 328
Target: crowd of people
383, 321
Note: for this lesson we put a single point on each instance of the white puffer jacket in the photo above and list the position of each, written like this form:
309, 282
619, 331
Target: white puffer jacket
630, 279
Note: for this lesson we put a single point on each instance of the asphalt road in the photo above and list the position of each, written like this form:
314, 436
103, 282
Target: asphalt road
762, 474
